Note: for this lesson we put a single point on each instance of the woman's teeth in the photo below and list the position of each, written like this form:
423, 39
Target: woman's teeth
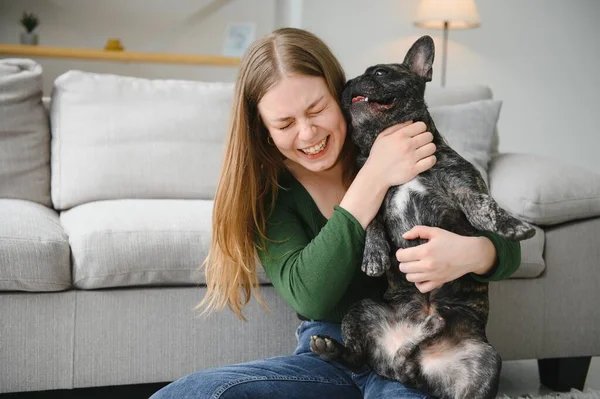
317, 148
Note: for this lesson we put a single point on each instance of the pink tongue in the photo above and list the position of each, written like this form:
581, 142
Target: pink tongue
357, 99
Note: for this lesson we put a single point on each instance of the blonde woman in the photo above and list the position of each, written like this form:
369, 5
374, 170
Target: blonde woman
290, 195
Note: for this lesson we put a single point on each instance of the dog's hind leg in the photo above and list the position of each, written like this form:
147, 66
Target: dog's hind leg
467, 369
484, 213
358, 326
333, 351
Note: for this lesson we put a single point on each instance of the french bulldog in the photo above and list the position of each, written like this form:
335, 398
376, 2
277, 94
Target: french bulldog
434, 341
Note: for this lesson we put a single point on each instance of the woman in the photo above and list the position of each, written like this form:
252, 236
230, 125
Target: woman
290, 194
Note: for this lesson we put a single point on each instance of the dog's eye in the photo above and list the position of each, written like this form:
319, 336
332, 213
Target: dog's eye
380, 72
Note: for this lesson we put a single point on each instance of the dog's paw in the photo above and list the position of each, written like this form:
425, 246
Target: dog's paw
433, 324
327, 348
517, 231
375, 263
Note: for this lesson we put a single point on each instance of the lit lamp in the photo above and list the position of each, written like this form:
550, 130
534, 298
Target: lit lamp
447, 14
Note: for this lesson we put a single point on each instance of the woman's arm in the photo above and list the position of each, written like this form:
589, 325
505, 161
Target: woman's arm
447, 256
312, 274
398, 155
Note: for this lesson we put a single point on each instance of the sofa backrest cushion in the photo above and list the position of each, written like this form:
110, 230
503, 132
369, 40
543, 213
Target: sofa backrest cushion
469, 130
24, 133
454, 95
116, 137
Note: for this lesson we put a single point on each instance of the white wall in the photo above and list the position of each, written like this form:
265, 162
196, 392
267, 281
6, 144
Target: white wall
181, 26
539, 56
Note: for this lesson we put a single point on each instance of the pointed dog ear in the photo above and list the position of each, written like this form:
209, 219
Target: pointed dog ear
419, 58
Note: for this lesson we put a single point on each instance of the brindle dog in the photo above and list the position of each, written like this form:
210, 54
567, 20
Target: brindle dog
435, 342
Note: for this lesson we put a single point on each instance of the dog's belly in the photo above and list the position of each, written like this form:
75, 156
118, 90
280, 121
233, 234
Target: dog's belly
391, 336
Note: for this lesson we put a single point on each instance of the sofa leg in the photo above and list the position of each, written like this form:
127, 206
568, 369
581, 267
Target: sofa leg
563, 374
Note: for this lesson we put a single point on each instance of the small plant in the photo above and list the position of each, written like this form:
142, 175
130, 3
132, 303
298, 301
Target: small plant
29, 21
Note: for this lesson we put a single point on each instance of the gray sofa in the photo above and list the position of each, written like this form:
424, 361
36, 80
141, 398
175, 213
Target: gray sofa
105, 209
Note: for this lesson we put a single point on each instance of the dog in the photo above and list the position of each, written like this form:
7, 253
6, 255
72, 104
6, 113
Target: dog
434, 342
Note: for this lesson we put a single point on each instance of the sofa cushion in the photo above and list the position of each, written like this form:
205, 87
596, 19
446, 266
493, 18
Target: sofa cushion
24, 133
438, 96
117, 137
34, 250
469, 129
542, 190
123, 243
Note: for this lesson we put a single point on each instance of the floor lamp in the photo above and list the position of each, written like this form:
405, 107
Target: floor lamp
446, 15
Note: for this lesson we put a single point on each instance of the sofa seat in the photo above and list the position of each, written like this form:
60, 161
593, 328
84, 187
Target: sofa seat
34, 249
138, 242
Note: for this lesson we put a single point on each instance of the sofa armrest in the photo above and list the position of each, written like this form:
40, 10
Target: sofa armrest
543, 191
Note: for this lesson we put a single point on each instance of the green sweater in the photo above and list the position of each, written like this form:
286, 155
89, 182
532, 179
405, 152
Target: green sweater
314, 262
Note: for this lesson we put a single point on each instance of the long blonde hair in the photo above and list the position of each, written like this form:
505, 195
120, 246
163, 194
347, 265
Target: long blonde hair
248, 179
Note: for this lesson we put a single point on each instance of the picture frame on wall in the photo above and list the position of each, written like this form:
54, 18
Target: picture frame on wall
238, 37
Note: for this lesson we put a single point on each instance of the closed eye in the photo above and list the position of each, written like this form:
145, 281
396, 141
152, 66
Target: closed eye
318, 112
286, 126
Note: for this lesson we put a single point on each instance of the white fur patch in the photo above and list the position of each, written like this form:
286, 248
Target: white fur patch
446, 362
402, 196
393, 337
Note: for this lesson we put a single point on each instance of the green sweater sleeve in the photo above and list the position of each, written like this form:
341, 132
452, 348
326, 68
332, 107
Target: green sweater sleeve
508, 258
312, 275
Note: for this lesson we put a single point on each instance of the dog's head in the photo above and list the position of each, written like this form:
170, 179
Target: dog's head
387, 94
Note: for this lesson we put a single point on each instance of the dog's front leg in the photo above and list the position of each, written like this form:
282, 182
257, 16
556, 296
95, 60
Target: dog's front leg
376, 257
484, 213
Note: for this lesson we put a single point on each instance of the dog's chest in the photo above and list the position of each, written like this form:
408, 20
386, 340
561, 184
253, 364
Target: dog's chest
418, 202
399, 204
401, 197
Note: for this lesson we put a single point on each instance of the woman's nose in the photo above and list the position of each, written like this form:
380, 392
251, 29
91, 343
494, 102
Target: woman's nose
307, 131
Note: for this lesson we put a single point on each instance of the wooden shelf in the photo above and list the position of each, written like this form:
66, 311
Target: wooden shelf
123, 56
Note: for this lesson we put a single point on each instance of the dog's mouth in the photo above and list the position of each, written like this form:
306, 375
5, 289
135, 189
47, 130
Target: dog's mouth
379, 104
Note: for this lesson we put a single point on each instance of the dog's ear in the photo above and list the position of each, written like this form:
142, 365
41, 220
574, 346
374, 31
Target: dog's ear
419, 58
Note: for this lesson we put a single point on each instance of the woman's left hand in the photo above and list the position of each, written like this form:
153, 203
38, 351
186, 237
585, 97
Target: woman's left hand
446, 256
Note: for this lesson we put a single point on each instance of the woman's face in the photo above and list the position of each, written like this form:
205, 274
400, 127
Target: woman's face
305, 122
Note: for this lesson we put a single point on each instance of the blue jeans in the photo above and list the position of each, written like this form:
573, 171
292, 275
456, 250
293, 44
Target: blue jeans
302, 375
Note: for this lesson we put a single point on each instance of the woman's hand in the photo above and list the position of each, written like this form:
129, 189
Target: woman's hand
446, 256
401, 152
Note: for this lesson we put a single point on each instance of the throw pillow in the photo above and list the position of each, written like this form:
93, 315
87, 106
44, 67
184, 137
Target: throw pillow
469, 129
24, 133
543, 191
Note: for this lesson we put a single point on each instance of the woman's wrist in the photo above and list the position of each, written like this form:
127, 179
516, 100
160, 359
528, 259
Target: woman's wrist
364, 197
487, 250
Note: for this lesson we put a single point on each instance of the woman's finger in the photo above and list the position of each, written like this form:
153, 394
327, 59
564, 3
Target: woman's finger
427, 286
421, 139
406, 255
394, 128
425, 151
414, 129
425, 163
417, 277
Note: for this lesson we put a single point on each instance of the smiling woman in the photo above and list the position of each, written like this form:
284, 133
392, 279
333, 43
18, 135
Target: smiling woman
305, 122
290, 195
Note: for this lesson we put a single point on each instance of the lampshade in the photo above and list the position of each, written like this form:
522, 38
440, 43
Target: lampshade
460, 14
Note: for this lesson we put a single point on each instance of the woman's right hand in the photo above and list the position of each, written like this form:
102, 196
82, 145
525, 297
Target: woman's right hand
401, 152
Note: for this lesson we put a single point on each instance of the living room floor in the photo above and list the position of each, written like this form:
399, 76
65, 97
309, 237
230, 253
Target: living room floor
520, 377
